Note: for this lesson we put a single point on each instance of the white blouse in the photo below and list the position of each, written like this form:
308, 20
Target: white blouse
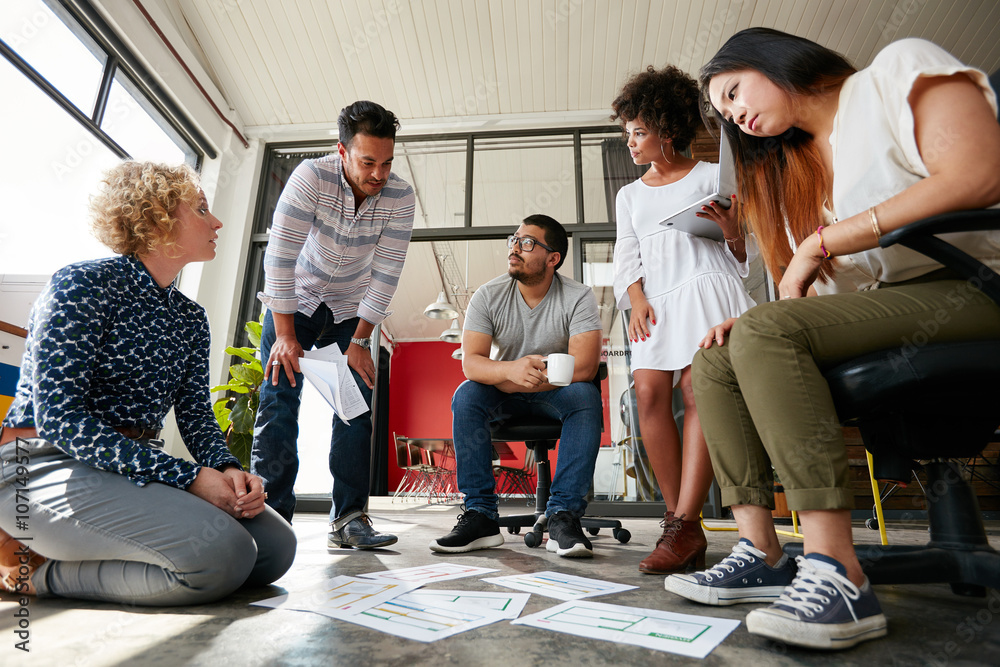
875, 156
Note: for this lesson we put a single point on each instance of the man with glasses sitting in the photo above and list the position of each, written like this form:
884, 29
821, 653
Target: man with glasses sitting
524, 315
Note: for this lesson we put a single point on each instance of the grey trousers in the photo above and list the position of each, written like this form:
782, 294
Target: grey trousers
762, 398
108, 539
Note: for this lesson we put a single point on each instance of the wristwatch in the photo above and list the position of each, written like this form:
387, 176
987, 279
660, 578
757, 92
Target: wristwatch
362, 342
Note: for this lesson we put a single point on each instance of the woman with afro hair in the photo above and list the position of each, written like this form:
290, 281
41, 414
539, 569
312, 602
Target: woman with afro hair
677, 285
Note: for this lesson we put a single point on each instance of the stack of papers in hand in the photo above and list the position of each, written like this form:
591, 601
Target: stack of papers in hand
327, 369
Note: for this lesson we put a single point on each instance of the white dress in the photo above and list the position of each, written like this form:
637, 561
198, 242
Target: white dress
691, 282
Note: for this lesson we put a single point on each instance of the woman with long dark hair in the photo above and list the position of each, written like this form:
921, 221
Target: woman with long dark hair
829, 159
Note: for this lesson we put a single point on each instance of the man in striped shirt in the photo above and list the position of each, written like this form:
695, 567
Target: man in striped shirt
334, 255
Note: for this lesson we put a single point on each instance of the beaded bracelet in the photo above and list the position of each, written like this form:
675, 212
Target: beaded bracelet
819, 233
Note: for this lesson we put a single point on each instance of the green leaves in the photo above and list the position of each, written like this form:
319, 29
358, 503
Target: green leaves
253, 330
250, 375
241, 416
237, 411
248, 353
221, 410
240, 445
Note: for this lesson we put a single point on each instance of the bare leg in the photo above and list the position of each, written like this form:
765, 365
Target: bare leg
696, 469
828, 532
653, 393
755, 524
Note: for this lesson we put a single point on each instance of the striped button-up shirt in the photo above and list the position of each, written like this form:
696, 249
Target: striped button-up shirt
321, 251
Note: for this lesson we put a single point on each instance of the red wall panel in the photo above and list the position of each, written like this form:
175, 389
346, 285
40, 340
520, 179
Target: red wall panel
423, 377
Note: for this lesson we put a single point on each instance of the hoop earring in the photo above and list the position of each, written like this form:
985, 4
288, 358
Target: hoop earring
672, 153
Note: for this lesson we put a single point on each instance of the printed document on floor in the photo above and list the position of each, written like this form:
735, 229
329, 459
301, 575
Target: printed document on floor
327, 369
428, 574
339, 597
559, 585
427, 616
683, 634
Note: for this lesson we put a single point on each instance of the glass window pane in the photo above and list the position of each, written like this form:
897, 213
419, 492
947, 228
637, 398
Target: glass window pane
607, 166
598, 274
436, 170
517, 177
457, 267
53, 165
135, 124
61, 52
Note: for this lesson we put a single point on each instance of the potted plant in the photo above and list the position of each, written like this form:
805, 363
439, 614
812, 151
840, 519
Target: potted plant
236, 412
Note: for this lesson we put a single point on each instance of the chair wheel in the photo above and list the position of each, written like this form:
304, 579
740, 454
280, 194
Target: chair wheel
593, 530
622, 535
871, 524
513, 530
532, 539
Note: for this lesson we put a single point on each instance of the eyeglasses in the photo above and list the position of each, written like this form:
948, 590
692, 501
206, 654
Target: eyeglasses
527, 243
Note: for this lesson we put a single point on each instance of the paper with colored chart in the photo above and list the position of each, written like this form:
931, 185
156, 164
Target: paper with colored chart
340, 596
427, 616
428, 574
683, 634
559, 585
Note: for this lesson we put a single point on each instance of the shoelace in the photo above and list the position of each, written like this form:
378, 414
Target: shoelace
670, 529
741, 553
813, 588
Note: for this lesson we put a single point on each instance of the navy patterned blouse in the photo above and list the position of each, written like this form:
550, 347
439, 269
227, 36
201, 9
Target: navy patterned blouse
108, 347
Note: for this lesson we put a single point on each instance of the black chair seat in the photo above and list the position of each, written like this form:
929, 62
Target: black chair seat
522, 429
891, 393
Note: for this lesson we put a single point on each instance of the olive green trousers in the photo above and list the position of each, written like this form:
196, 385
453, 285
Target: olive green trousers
762, 399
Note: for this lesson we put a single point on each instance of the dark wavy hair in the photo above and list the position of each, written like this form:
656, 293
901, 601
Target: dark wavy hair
780, 179
367, 118
664, 100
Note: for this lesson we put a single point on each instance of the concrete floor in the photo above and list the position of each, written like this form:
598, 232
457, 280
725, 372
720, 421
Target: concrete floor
927, 624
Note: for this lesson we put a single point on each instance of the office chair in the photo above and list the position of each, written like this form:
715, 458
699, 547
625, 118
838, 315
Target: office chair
930, 401
540, 434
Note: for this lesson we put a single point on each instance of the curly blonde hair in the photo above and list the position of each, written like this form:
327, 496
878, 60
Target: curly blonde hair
133, 210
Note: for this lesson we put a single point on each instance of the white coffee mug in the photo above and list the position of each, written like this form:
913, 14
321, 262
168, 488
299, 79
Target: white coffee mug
560, 369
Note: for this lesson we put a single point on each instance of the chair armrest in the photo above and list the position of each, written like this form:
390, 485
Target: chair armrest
920, 236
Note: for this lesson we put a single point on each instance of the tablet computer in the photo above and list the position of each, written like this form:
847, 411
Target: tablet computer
685, 219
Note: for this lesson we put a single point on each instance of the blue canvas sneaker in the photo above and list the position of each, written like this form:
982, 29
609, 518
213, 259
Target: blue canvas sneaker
742, 576
821, 609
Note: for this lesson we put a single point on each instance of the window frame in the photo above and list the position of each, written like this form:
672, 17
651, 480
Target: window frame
79, 15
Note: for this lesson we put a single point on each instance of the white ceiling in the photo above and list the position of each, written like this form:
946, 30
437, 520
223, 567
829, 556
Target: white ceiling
298, 62
287, 68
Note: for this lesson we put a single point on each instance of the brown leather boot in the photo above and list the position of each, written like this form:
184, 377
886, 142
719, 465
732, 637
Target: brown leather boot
681, 544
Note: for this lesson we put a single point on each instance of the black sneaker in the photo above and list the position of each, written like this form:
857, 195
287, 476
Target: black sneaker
566, 537
474, 530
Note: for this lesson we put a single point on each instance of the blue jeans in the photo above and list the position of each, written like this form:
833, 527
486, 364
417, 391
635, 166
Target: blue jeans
475, 406
153, 545
276, 432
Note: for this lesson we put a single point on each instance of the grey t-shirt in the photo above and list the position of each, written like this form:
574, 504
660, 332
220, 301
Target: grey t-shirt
497, 309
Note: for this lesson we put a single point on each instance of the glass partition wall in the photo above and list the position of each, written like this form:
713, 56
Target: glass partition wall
472, 190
